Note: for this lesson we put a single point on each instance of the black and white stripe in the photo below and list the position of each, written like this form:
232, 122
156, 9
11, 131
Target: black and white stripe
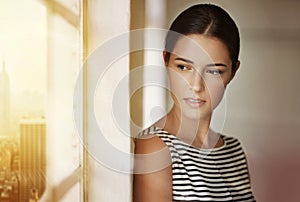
218, 174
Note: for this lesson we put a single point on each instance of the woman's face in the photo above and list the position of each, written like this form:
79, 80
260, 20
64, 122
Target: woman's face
199, 70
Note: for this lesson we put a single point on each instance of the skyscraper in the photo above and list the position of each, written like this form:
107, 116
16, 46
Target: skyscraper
32, 157
4, 102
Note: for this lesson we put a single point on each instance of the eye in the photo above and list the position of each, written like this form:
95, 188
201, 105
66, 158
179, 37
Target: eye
214, 71
183, 67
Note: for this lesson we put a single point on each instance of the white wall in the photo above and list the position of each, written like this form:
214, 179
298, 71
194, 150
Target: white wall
107, 20
263, 100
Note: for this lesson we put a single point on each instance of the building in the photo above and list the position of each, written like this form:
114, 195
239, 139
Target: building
32, 157
4, 102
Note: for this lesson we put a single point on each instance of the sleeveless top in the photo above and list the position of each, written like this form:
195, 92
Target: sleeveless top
217, 174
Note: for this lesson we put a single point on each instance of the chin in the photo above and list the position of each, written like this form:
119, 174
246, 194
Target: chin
196, 115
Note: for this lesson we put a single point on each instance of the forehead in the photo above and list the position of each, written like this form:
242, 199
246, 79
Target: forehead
200, 48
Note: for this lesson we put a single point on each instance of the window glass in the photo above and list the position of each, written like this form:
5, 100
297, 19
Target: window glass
40, 58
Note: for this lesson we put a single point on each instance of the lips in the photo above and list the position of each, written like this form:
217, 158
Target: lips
194, 102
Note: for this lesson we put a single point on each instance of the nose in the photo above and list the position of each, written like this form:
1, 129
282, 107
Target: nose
197, 83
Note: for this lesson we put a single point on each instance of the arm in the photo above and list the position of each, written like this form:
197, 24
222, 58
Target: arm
153, 172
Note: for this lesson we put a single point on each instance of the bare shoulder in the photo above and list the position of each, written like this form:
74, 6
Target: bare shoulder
149, 144
153, 172
151, 154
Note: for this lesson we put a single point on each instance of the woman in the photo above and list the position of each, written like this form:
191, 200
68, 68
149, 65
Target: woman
180, 158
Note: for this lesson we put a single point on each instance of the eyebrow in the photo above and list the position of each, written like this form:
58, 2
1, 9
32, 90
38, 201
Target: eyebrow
184, 60
208, 65
216, 64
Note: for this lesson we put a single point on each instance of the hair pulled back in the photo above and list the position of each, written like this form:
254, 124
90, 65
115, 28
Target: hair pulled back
209, 20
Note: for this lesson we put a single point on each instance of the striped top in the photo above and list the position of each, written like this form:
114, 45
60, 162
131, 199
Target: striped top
217, 174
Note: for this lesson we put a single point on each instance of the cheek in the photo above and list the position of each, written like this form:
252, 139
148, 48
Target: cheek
177, 84
216, 91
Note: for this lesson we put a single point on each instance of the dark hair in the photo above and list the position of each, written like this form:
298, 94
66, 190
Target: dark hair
209, 20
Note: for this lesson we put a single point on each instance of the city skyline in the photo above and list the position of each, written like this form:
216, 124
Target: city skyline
23, 53
22, 143
12, 110
23, 89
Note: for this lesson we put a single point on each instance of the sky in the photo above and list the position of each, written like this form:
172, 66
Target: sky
23, 44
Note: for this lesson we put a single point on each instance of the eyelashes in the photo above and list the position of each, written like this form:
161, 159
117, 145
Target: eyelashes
214, 71
183, 67
210, 71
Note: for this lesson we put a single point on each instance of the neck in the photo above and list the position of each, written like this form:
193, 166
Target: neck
192, 131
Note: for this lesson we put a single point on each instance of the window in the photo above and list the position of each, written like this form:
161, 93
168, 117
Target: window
41, 43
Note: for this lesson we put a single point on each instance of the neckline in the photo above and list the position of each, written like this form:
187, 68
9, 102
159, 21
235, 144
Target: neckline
155, 128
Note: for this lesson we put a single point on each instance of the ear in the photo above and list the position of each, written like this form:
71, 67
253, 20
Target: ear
237, 66
164, 57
